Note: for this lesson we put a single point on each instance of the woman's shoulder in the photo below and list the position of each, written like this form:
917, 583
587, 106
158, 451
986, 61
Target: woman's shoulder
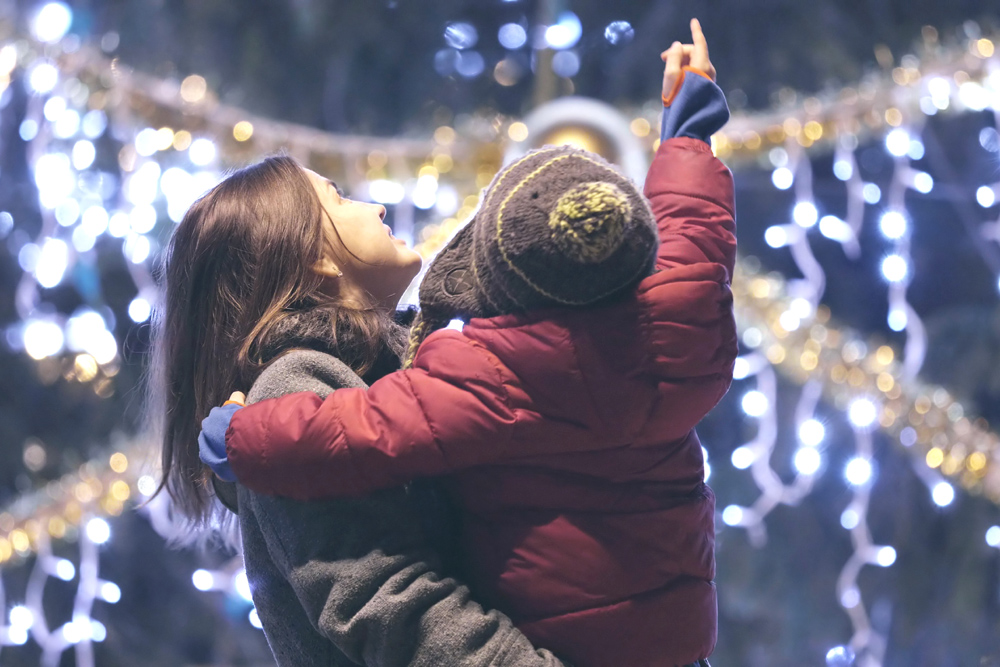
303, 370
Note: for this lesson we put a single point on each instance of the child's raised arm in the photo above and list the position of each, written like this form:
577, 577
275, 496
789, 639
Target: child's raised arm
691, 191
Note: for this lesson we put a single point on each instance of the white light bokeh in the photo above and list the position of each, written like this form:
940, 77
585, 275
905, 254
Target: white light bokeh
565, 33
754, 403
83, 154
776, 236
566, 64
203, 580
43, 77
53, 108
137, 248
897, 142
805, 214
139, 309
807, 460
894, 268
742, 457
461, 35
67, 125
732, 515
741, 368
923, 182
110, 592
858, 471
28, 129
147, 142
782, 178
993, 536
67, 211
862, 412
202, 152
871, 193
21, 617
897, 319
512, 36
811, 432
893, 225
384, 191
943, 494
52, 22
42, 339
65, 570
254, 618
146, 485
143, 185
425, 192
885, 556
94, 123
142, 219
619, 32
849, 519
850, 598
119, 225
986, 196
835, 229
789, 321
778, 157
52, 263
55, 179
843, 170
98, 530
94, 220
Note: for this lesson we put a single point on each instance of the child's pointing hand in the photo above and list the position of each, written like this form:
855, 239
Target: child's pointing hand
679, 56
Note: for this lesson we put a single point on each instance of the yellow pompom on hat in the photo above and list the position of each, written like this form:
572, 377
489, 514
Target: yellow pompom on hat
558, 227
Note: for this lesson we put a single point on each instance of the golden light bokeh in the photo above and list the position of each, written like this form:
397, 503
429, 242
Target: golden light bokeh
193, 88
517, 131
243, 130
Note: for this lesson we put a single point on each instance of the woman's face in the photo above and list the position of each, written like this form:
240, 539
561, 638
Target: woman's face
362, 247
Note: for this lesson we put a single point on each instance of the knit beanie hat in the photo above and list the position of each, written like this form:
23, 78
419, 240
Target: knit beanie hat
559, 227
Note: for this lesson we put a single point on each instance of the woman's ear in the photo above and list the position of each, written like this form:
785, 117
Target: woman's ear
326, 267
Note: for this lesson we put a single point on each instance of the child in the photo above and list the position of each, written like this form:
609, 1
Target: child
565, 421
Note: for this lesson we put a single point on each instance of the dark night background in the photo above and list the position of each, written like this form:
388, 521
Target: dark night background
369, 68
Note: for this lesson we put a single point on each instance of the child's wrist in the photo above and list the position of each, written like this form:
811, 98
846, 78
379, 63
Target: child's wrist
669, 98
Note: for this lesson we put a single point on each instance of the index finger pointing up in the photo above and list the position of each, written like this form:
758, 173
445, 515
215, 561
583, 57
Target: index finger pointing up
698, 37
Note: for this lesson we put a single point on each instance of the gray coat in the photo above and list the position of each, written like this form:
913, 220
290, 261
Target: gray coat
356, 581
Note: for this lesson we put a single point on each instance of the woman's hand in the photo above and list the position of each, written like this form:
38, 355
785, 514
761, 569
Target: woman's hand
679, 56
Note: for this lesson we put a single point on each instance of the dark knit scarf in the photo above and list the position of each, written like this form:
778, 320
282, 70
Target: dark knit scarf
326, 329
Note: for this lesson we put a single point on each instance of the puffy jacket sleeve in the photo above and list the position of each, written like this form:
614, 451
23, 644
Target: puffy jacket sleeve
452, 410
686, 307
691, 193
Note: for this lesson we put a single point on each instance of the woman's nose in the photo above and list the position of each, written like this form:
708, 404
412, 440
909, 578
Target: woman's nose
381, 211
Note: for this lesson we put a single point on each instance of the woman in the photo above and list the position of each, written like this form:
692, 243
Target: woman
275, 280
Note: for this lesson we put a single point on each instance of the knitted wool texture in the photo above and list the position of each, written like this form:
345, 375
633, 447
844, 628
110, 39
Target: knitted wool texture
559, 227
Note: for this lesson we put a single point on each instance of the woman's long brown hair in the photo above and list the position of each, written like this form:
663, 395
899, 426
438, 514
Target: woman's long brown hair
238, 265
